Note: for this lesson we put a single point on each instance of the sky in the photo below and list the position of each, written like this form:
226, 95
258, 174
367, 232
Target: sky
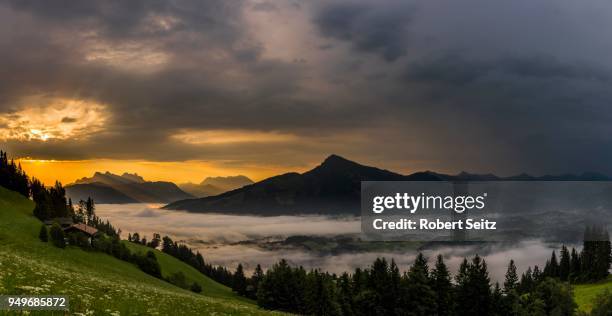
181, 90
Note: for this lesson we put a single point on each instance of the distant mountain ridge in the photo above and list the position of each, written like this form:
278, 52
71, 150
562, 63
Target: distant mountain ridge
333, 187
126, 188
215, 185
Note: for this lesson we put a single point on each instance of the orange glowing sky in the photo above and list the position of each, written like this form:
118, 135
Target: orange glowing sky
179, 172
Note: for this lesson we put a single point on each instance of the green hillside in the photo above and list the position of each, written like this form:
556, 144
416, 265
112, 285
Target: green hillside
585, 293
171, 265
97, 283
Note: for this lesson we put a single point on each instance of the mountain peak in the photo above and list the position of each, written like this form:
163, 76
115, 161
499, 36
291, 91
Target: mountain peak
133, 177
335, 160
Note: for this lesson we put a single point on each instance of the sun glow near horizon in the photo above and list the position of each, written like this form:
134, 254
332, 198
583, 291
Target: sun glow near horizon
68, 171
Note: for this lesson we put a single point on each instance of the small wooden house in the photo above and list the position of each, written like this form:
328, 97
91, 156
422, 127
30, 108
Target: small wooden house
88, 231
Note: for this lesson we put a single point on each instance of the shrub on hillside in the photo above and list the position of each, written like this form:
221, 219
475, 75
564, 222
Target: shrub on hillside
148, 264
43, 235
178, 279
58, 238
196, 288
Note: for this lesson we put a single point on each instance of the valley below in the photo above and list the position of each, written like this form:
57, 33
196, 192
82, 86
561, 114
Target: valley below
330, 243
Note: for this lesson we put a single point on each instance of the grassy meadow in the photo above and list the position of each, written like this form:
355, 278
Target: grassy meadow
96, 283
585, 294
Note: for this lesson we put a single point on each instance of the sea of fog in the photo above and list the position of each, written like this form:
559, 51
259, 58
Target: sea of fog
216, 236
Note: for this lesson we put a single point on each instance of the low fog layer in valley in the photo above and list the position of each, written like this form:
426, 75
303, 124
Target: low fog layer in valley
229, 240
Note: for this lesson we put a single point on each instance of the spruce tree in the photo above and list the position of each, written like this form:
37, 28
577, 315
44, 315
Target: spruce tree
554, 265
505, 304
564, 264
480, 280
239, 284
575, 266
537, 274
442, 286
473, 291
499, 302
422, 298
345, 295
526, 284
511, 279
255, 280
320, 295
378, 281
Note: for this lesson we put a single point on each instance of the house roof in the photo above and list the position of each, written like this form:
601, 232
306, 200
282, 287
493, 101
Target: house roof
83, 228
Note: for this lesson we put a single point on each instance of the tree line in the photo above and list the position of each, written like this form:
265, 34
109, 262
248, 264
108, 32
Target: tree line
185, 254
422, 290
382, 290
12, 176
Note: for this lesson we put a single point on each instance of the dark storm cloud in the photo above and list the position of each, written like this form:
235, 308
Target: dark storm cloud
371, 27
128, 18
537, 104
501, 87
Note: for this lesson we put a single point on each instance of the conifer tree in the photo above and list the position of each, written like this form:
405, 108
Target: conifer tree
239, 283
473, 292
442, 286
320, 295
511, 279
255, 280
421, 296
575, 266
527, 282
554, 265
345, 295
564, 264
537, 274
499, 304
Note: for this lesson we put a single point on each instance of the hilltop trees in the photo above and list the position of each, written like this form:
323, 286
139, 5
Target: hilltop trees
12, 176
50, 203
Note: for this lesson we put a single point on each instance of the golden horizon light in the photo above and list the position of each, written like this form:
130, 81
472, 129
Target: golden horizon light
68, 171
